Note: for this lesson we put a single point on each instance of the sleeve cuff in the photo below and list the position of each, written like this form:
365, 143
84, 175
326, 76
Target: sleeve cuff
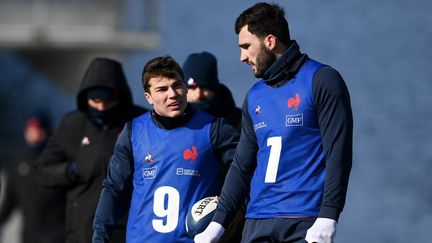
330, 212
71, 169
221, 218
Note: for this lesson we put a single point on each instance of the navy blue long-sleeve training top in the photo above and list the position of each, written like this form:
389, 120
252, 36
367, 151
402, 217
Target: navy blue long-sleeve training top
333, 111
117, 187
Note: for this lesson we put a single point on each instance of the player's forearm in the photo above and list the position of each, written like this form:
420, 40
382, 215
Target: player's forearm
104, 219
234, 192
338, 168
336, 185
114, 187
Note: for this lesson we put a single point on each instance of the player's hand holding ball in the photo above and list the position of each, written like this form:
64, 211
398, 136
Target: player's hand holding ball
199, 223
211, 234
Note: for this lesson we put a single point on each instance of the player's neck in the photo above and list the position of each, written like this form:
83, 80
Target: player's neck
169, 123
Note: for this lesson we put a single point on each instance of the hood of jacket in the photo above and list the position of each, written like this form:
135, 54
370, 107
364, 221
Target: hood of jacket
104, 73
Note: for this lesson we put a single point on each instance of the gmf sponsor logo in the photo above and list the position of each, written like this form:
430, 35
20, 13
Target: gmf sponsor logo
149, 172
294, 120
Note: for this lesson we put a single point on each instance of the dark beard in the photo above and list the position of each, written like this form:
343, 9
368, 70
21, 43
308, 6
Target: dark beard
265, 59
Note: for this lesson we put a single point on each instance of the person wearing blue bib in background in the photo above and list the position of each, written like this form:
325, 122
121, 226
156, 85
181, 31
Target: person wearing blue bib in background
295, 152
167, 159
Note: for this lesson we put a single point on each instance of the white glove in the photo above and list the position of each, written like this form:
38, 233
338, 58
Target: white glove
322, 231
211, 234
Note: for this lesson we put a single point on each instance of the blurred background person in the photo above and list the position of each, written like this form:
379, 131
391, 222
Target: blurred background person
43, 209
77, 155
205, 91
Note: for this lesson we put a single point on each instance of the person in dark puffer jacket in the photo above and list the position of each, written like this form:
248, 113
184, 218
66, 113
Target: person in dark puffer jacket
77, 155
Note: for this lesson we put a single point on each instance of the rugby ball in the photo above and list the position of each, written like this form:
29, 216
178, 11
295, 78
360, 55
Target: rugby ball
200, 215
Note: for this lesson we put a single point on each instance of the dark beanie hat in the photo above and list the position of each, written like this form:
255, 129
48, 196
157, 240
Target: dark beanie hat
105, 94
200, 69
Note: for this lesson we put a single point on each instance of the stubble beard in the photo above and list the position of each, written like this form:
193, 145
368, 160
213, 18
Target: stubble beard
265, 59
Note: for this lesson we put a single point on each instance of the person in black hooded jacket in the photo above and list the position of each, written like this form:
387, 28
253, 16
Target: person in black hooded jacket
77, 155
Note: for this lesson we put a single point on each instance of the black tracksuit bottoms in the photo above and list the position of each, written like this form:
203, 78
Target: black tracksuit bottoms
292, 230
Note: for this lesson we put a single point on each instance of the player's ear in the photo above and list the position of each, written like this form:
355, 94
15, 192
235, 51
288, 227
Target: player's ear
148, 98
270, 42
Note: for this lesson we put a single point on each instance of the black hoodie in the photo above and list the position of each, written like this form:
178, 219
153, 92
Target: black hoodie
104, 73
77, 155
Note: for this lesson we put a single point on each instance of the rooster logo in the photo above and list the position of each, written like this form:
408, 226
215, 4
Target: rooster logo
190, 155
294, 102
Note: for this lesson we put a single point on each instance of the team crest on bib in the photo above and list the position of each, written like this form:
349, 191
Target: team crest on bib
190, 154
294, 102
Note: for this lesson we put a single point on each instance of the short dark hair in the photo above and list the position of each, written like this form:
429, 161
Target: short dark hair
265, 19
164, 66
